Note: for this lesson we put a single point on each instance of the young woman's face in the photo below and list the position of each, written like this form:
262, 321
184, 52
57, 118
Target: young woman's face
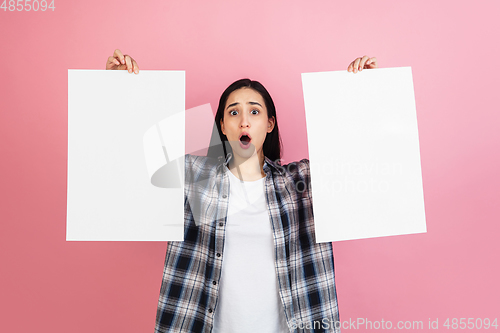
245, 122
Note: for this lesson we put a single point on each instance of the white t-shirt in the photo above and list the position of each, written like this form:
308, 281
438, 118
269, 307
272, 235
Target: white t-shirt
248, 292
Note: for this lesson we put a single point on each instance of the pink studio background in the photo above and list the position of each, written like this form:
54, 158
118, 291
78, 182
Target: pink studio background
50, 285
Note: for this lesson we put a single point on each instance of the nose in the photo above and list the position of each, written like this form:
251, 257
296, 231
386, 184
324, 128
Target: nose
245, 122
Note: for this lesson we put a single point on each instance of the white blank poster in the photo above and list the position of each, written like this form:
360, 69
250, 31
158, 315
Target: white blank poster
364, 154
110, 193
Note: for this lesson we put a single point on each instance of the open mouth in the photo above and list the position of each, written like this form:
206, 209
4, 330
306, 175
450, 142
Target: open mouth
245, 139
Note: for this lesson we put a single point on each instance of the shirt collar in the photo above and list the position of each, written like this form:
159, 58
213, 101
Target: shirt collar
221, 162
268, 163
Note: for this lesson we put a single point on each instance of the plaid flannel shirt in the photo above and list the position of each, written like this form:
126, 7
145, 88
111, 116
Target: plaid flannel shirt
304, 269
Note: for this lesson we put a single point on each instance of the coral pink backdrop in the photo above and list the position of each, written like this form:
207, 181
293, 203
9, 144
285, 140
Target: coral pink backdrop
50, 285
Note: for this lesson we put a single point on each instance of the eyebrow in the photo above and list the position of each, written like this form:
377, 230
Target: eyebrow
234, 104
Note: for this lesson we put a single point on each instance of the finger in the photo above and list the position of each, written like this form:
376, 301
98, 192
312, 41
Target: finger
113, 60
362, 62
356, 65
118, 54
112, 63
128, 62
350, 67
373, 62
136, 67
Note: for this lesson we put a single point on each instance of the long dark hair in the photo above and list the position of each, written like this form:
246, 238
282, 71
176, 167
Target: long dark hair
272, 144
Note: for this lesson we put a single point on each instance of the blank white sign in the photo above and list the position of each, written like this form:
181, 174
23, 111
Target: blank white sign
110, 194
364, 154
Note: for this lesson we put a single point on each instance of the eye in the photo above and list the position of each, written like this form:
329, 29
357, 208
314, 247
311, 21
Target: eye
255, 111
233, 112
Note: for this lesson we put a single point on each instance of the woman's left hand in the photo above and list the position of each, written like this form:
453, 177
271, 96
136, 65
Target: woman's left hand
362, 63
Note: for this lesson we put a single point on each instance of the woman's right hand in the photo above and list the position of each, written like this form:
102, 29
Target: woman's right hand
120, 62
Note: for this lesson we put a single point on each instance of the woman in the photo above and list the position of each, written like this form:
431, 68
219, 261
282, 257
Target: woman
249, 261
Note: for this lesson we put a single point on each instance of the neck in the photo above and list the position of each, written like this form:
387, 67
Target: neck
248, 169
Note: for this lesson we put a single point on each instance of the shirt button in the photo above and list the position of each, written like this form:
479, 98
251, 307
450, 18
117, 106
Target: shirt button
224, 196
218, 254
214, 283
221, 224
210, 310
